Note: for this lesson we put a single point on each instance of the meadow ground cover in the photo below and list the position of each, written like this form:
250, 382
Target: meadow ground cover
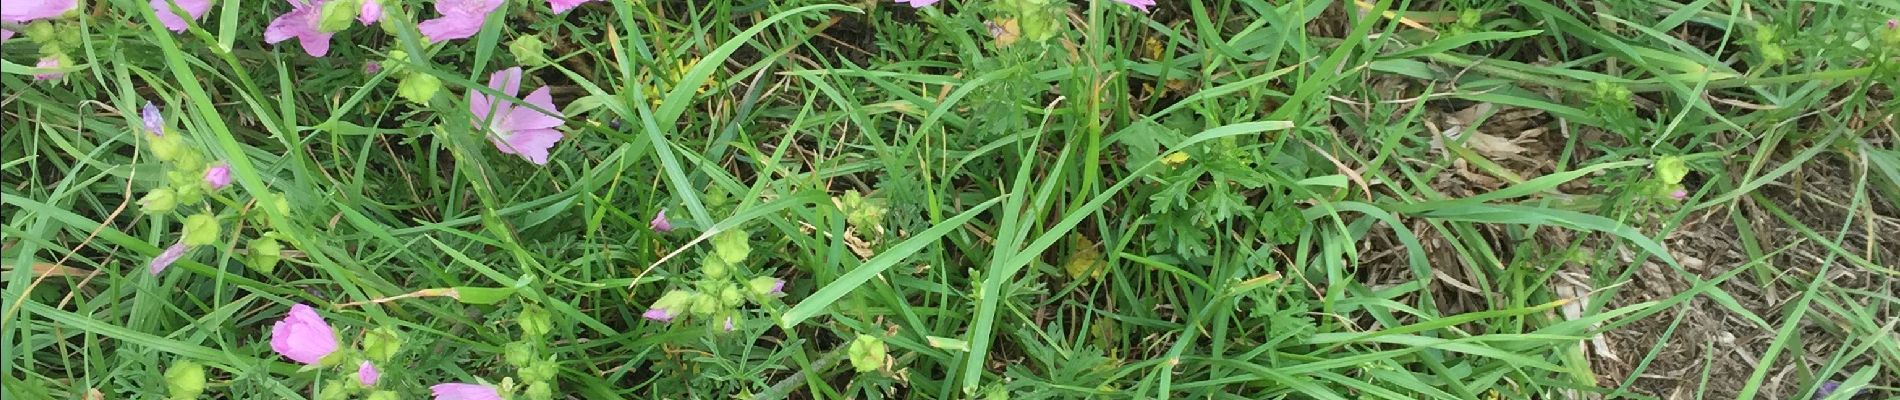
998, 199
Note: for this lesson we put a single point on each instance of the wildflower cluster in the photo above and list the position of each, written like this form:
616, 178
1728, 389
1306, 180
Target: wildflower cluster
718, 293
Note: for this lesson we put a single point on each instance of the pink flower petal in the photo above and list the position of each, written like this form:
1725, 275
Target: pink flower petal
218, 176
918, 3
507, 81
531, 144
524, 118
464, 391
561, 6
48, 62
1140, 4
301, 23
167, 257
178, 22
660, 223
367, 374
371, 12
460, 19
154, 122
658, 315
5, 34
22, 11
303, 336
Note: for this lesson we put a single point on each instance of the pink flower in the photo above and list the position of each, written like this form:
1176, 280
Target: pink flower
460, 19
728, 324
1679, 195
48, 62
658, 315
218, 176
778, 287
372, 67
301, 23
515, 129
918, 3
367, 374
167, 257
302, 336
1140, 4
561, 6
23, 11
178, 22
154, 122
660, 223
464, 391
371, 12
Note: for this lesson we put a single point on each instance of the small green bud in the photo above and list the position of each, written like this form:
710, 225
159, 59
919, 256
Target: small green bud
1470, 17
201, 230
418, 88
867, 353
705, 305
281, 204
1670, 170
159, 201
714, 267
336, 390
265, 252
189, 194
766, 286
42, 32
337, 15
184, 380
518, 354
382, 395
167, 147
534, 322
191, 163
1773, 54
732, 246
381, 344
529, 50
731, 297
539, 390
540, 371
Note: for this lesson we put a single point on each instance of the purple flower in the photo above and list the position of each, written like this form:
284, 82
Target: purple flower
23, 11
48, 62
1679, 195
154, 122
167, 257
918, 3
658, 315
464, 391
367, 374
302, 336
728, 324
514, 129
460, 19
660, 223
668, 306
561, 6
371, 12
218, 176
1893, 24
1140, 4
766, 286
301, 23
178, 22
372, 67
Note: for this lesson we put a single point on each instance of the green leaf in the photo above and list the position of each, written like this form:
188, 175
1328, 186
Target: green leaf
482, 295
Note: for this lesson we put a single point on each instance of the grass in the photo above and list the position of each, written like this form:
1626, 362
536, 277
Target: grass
1445, 199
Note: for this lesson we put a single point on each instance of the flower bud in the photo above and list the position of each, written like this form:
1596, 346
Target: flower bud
418, 88
201, 230
184, 380
730, 297
539, 390
381, 344
529, 50
867, 353
766, 286
264, 254
518, 354
159, 201
338, 14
